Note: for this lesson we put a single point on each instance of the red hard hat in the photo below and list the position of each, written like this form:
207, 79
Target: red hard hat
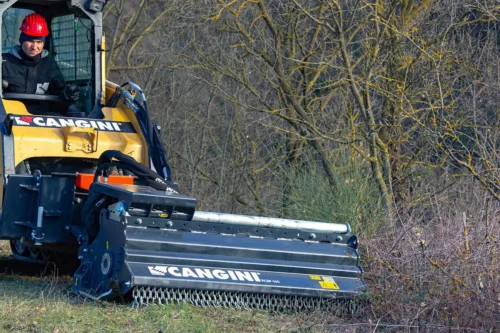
35, 25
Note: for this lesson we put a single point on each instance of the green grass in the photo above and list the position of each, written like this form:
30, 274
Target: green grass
46, 304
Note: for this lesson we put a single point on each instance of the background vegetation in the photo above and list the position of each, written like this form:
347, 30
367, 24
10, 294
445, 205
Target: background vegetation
381, 113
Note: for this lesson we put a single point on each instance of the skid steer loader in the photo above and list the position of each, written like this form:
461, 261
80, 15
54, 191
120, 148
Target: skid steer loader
95, 186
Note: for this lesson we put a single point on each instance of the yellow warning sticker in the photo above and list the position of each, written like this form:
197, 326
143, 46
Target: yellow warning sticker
315, 277
163, 215
328, 285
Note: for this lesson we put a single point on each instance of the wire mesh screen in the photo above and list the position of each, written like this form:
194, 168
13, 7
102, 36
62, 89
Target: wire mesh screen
71, 40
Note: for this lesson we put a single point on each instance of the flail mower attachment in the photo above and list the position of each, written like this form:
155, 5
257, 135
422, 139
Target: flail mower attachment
153, 245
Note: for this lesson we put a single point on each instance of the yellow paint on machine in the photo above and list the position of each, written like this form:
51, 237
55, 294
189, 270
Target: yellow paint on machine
73, 142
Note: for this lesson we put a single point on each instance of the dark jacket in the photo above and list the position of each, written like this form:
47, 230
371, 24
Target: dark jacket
31, 78
23, 76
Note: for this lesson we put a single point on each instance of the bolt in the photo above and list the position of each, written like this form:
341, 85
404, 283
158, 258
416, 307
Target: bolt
170, 223
120, 207
80, 257
85, 250
138, 221
339, 238
312, 235
78, 200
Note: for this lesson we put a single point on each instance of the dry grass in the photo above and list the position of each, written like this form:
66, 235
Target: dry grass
439, 270
4, 250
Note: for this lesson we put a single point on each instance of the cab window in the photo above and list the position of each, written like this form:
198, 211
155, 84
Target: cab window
71, 38
11, 21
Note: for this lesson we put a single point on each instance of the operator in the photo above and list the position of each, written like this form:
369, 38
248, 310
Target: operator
28, 68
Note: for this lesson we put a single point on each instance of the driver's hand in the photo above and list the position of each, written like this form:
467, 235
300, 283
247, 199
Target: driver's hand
72, 93
5, 84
